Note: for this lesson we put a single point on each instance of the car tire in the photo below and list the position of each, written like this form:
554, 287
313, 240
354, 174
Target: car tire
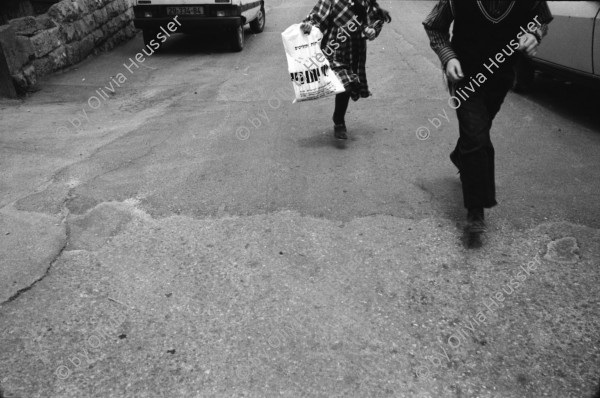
258, 25
148, 35
237, 38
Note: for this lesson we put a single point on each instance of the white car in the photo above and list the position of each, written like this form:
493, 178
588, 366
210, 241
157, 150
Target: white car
152, 16
572, 46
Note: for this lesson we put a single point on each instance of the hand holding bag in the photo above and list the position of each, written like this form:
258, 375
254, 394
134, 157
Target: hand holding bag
309, 69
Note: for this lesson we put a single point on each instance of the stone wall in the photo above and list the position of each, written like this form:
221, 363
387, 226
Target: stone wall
65, 35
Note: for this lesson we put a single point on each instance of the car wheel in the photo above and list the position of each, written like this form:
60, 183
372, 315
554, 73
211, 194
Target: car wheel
149, 35
258, 25
238, 38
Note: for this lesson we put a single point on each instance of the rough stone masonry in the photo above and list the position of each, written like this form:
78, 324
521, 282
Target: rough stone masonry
65, 35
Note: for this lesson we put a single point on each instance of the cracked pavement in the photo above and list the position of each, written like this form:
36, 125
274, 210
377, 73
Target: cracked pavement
156, 252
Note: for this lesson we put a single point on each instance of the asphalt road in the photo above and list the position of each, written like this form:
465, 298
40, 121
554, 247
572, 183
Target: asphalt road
195, 234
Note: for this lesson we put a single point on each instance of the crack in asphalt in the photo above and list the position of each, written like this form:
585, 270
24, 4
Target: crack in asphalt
56, 178
64, 221
19, 292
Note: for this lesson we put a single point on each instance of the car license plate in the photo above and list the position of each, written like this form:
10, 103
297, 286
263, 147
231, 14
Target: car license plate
185, 10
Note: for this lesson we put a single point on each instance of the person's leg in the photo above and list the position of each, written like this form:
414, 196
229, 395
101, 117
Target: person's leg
347, 67
472, 154
339, 123
359, 62
341, 107
494, 97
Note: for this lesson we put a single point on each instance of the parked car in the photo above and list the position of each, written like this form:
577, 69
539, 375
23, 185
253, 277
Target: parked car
196, 15
572, 46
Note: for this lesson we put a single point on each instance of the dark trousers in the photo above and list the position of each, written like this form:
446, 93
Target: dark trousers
342, 100
341, 107
474, 153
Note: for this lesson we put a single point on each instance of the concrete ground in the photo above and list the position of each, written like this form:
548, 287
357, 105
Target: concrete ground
196, 234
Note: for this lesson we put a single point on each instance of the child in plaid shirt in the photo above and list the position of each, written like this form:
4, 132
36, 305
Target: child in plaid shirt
346, 27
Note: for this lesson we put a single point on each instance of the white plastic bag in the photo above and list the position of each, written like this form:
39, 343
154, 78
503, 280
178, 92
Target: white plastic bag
310, 71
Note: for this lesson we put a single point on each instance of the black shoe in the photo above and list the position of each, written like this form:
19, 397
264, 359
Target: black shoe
476, 221
339, 132
454, 159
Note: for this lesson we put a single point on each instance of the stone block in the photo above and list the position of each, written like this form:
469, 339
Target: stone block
65, 11
83, 8
121, 5
86, 46
100, 16
25, 48
20, 81
43, 66
7, 86
90, 23
29, 26
73, 54
26, 26
83, 28
118, 37
105, 30
112, 9
106, 46
16, 49
110, 28
130, 30
91, 5
120, 23
123, 19
25, 79
30, 75
70, 32
46, 41
98, 36
74, 31
45, 22
58, 58
116, 6
115, 25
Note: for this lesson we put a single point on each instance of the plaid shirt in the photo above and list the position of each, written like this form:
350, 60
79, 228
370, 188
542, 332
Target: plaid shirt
437, 24
346, 50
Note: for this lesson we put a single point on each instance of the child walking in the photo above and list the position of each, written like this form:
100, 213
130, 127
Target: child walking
346, 27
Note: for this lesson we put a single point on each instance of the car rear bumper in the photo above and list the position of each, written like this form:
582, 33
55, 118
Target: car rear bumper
189, 23
157, 16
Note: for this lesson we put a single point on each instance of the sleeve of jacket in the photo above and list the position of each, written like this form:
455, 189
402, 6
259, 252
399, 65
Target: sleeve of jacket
541, 11
437, 25
375, 15
320, 15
